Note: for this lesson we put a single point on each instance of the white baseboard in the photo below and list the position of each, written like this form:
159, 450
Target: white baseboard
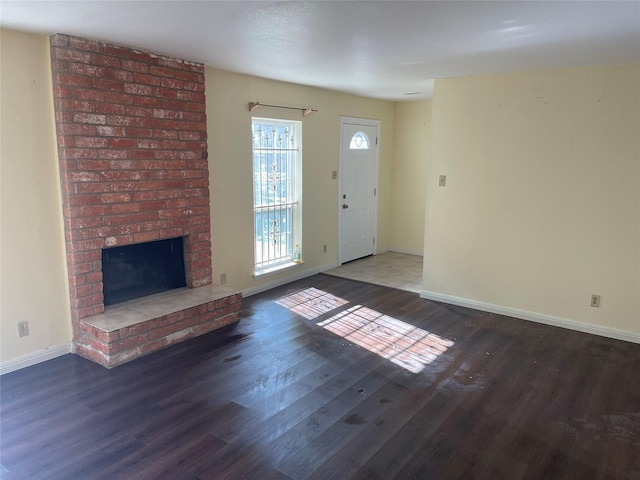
287, 279
35, 358
534, 317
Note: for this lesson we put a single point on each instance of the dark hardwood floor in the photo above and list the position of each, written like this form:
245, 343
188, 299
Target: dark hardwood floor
279, 397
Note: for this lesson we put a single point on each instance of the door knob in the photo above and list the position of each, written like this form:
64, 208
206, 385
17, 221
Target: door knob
345, 206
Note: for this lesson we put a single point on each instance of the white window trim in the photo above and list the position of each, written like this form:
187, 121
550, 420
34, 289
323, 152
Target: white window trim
296, 234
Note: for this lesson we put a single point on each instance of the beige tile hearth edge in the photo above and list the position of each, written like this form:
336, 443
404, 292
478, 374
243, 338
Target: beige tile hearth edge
142, 309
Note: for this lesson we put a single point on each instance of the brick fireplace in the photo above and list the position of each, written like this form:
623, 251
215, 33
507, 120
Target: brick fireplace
132, 146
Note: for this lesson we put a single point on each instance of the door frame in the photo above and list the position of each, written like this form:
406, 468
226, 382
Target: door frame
368, 123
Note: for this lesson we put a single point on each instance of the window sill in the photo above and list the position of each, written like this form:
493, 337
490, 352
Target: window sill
284, 267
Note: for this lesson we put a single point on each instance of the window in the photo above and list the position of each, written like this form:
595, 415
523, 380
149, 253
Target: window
277, 174
359, 142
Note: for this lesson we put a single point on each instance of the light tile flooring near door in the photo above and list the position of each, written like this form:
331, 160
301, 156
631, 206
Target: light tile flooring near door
391, 269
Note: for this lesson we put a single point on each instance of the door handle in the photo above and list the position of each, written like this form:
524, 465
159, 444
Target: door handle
345, 206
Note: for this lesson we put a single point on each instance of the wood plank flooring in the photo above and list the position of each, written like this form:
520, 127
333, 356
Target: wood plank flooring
279, 397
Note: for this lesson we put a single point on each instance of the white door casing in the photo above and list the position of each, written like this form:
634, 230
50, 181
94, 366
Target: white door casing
358, 199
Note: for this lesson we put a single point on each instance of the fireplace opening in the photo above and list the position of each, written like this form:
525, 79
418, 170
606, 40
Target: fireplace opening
142, 269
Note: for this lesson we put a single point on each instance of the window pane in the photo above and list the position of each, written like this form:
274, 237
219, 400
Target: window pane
276, 204
359, 141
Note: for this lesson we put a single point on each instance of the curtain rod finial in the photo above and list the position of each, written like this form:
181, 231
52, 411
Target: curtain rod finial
253, 106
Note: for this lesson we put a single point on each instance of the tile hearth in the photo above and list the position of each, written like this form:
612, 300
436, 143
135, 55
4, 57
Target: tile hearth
137, 327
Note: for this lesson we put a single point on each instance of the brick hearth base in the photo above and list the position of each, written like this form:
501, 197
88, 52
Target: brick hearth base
129, 330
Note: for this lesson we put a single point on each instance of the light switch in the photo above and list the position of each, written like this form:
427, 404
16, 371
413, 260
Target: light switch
442, 181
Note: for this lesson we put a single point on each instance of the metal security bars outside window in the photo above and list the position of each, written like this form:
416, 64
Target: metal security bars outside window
276, 192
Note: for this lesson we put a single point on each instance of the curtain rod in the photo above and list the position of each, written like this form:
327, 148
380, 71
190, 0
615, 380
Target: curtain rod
305, 111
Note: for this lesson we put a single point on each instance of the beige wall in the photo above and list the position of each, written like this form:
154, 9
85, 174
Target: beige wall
229, 133
33, 270
33, 283
408, 177
542, 206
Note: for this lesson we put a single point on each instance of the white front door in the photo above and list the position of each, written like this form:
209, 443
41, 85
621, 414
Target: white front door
357, 204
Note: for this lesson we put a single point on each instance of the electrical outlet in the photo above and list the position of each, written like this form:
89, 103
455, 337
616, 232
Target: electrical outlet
442, 181
23, 329
595, 301
223, 278
334, 174
324, 248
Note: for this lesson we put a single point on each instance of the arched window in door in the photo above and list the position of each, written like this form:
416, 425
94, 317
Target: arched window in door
359, 141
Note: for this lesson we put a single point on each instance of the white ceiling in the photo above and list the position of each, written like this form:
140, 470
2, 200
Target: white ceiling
380, 49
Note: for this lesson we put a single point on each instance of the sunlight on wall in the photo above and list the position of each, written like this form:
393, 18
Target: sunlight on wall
402, 343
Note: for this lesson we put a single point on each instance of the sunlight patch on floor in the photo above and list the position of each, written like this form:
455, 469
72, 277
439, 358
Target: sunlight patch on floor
402, 343
311, 302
